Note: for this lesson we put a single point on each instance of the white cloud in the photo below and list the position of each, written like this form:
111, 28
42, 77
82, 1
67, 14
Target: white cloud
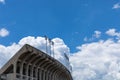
113, 32
97, 61
96, 35
2, 1
85, 39
4, 32
116, 6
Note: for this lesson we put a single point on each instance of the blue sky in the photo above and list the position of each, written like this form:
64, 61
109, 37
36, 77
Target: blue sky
71, 20
87, 29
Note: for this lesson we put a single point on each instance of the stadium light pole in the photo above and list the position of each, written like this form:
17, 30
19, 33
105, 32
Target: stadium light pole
49, 46
46, 43
53, 48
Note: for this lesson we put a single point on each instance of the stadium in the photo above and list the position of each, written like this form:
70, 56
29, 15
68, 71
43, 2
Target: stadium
30, 63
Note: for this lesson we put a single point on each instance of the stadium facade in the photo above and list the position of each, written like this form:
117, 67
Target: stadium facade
30, 63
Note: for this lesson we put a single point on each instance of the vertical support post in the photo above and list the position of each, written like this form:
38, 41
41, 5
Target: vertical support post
50, 46
27, 69
31, 73
14, 71
21, 71
46, 43
53, 49
40, 74
36, 73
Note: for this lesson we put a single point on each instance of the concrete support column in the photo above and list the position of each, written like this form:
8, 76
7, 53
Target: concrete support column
31, 73
50, 76
21, 71
36, 73
27, 69
47, 75
43, 73
40, 75
14, 71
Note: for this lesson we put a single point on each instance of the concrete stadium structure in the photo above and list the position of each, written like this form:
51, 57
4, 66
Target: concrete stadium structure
30, 63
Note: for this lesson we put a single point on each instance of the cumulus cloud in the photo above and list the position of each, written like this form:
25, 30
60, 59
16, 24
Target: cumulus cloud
60, 48
96, 35
2, 1
6, 52
116, 6
4, 32
97, 61
113, 33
